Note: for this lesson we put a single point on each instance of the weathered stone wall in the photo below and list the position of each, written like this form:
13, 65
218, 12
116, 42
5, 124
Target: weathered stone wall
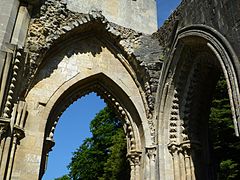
57, 23
140, 15
74, 62
224, 16
68, 42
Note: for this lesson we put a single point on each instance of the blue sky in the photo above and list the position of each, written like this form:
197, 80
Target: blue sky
73, 126
165, 7
72, 129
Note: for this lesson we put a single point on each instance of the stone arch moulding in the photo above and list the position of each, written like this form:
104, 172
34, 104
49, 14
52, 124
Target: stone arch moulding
70, 70
114, 96
57, 24
225, 54
169, 125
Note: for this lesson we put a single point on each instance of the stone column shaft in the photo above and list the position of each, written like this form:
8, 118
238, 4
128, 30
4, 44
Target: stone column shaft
4, 125
182, 166
192, 169
177, 173
2, 142
147, 168
17, 135
11, 158
188, 168
152, 165
134, 159
137, 173
4, 163
174, 150
132, 173
151, 155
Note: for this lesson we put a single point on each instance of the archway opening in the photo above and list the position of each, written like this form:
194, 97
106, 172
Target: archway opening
88, 62
119, 102
192, 132
224, 145
106, 140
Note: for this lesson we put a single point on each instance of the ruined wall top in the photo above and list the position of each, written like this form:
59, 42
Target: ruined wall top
222, 15
139, 15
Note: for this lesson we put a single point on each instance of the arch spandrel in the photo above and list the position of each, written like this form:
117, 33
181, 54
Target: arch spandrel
74, 62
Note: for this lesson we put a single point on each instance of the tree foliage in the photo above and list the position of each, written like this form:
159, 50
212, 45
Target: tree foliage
226, 146
65, 177
103, 156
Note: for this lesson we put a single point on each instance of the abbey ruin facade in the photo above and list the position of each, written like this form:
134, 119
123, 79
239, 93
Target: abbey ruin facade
160, 82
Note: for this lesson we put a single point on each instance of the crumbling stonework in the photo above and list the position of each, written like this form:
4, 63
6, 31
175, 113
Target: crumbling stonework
52, 54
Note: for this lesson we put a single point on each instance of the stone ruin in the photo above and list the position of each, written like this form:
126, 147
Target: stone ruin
53, 52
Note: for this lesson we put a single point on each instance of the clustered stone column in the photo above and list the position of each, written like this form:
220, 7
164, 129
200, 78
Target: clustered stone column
151, 162
4, 132
135, 161
11, 132
182, 159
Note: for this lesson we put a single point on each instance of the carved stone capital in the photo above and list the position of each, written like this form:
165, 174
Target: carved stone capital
188, 145
173, 147
134, 158
151, 152
18, 133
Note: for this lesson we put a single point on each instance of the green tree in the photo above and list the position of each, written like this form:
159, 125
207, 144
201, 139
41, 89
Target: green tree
65, 177
103, 156
226, 146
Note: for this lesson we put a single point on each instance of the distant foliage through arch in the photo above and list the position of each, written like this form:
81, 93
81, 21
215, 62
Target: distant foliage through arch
225, 145
102, 156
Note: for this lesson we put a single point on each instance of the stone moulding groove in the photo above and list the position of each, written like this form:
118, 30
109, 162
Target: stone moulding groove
144, 95
227, 59
191, 82
109, 99
11, 96
130, 70
175, 122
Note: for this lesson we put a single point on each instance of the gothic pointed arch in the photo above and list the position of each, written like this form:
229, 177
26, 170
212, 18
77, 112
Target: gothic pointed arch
114, 97
57, 24
87, 43
81, 60
197, 57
